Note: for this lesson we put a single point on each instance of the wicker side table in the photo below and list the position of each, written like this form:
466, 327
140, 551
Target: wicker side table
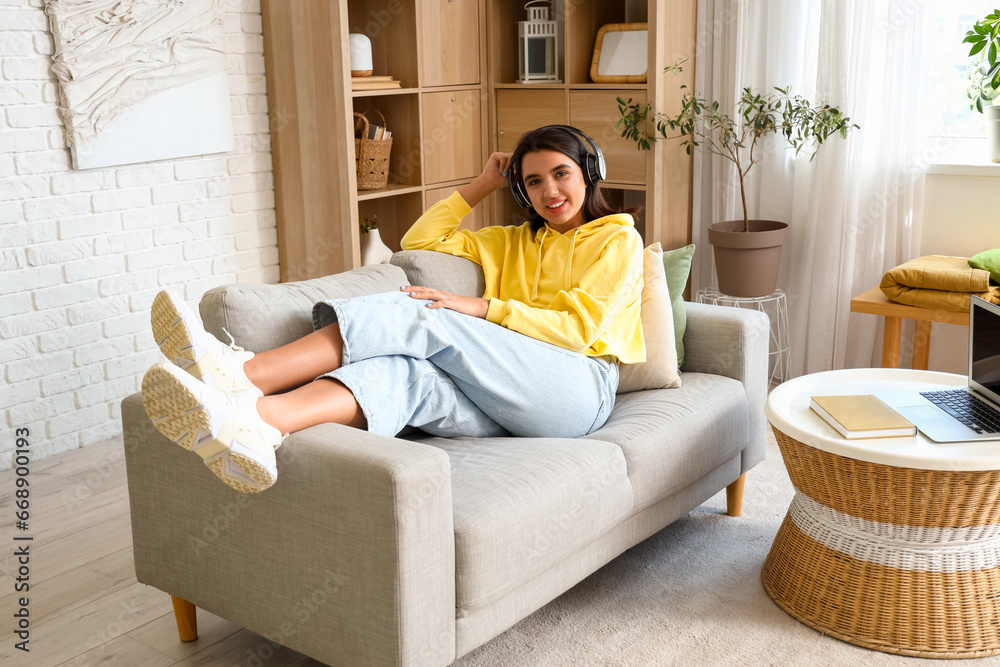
897, 558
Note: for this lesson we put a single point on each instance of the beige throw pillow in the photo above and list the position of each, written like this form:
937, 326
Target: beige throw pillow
659, 371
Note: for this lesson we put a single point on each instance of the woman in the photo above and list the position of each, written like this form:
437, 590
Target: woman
536, 356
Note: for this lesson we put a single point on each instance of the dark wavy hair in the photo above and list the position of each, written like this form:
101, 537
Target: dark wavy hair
563, 141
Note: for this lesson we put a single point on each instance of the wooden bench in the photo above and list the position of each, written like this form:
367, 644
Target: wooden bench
875, 302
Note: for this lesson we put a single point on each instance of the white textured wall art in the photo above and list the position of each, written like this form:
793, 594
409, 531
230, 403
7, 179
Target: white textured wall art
141, 80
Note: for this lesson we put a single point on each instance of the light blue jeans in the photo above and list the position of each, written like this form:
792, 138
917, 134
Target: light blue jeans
450, 374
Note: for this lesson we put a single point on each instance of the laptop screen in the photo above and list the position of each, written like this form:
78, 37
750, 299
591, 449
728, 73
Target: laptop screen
984, 348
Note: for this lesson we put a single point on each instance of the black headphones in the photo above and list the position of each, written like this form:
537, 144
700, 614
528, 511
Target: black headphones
594, 169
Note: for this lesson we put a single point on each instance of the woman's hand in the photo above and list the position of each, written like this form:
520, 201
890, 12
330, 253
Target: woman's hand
468, 305
495, 171
494, 177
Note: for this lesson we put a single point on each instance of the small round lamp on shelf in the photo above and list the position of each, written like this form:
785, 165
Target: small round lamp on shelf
538, 45
361, 54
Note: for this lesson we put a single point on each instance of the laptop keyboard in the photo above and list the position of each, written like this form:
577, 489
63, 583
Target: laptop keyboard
975, 413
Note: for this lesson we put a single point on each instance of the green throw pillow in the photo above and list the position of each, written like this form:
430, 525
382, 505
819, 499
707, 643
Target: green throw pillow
988, 260
677, 266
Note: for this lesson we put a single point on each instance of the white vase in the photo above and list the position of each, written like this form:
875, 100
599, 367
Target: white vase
373, 251
992, 114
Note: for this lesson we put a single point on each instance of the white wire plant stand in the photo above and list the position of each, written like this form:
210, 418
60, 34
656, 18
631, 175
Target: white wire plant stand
775, 306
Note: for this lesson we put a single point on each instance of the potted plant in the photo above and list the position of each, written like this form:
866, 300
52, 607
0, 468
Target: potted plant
984, 76
747, 252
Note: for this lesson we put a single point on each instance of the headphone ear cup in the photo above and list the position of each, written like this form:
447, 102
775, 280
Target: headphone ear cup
599, 167
517, 190
595, 167
593, 176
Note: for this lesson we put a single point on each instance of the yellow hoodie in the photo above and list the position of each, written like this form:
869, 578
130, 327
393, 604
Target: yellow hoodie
580, 290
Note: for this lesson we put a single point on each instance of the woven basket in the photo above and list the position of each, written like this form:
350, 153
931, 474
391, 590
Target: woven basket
371, 156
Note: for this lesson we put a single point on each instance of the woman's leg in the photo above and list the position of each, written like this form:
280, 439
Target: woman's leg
396, 391
184, 341
297, 363
209, 399
319, 402
528, 387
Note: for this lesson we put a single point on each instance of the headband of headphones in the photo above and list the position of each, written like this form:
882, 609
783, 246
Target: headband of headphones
594, 169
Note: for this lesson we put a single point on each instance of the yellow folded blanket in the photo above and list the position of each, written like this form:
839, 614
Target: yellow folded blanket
938, 282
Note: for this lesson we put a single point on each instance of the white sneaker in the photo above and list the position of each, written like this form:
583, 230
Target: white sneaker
184, 341
222, 427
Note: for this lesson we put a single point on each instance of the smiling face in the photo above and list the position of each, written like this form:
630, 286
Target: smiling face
556, 188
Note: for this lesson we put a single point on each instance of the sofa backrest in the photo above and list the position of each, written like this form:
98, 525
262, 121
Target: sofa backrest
263, 317
439, 270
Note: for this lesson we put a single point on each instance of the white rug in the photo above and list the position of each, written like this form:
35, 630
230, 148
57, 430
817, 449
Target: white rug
689, 595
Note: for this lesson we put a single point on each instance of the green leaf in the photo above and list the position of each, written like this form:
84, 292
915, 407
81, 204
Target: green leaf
977, 48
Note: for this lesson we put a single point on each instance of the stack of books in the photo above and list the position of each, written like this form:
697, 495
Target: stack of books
374, 83
378, 132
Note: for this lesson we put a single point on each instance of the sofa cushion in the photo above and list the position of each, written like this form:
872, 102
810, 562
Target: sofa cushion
439, 270
677, 268
263, 317
671, 437
522, 505
659, 371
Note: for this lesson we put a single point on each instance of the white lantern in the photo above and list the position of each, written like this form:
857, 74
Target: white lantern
538, 45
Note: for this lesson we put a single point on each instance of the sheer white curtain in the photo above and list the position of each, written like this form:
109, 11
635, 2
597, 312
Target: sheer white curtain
854, 211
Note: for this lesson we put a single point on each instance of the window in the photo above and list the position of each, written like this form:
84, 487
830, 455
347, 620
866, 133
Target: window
946, 60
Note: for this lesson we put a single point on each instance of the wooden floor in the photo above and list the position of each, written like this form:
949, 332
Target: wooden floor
84, 604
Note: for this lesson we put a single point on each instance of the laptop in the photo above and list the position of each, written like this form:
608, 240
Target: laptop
952, 414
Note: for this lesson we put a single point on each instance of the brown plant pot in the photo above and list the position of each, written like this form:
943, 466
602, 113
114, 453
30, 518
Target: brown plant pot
747, 263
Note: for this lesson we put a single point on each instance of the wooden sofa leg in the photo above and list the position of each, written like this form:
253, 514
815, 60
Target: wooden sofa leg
186, 615
734, 496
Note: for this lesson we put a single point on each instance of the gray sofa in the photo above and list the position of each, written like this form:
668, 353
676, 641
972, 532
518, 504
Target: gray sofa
415, 550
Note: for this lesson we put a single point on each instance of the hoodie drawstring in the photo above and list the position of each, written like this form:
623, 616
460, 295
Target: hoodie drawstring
538, 266
568, 279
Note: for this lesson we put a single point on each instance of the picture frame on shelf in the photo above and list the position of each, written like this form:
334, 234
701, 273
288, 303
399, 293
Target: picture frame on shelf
620, 53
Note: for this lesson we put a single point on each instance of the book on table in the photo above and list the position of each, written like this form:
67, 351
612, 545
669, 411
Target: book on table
861, 416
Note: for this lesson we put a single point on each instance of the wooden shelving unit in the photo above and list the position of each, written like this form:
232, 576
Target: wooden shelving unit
438, 118
457, 62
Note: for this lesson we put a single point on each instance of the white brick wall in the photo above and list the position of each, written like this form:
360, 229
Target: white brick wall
82, 253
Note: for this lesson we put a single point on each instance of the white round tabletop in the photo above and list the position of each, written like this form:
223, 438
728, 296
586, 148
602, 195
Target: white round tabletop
788, 410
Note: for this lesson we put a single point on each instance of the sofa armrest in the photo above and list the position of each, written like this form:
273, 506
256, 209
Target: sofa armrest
732, 342
348, 558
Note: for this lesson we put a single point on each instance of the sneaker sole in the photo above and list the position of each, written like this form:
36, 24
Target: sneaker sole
171, 333
178, 413
176, 343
